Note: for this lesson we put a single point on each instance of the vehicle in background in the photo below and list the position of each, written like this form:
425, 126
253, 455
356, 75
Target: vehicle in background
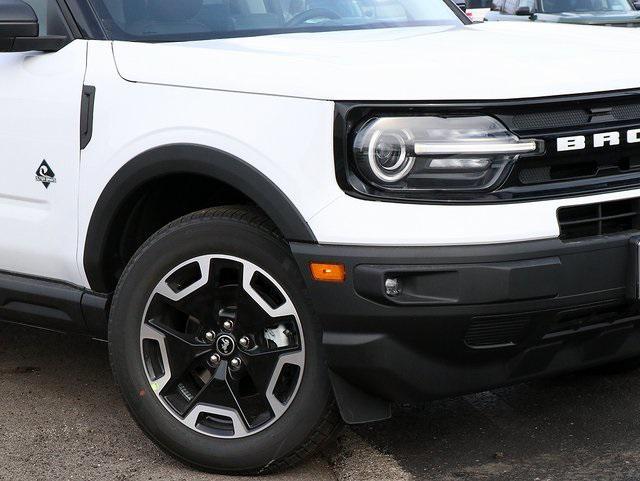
477, 9
615, 13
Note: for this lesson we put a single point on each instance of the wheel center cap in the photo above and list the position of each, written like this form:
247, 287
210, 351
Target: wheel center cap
225, 345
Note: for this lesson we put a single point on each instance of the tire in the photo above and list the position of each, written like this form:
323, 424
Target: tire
173, 357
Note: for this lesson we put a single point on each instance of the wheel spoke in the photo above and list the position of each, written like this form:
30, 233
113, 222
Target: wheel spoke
190, 342
264, 369
250, 390
257, 406
161, 379
252, 317
175, 294
182, 291
239, 428
219, 293
215, 392
281, 310
255, 311
295, 358
179, 353
216, 397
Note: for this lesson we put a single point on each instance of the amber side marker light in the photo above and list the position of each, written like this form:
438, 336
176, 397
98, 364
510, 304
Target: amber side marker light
328, 272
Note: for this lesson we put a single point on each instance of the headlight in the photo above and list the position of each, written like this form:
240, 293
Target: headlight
463, 154
388, 154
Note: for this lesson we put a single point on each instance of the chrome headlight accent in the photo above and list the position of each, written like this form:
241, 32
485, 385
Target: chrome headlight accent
387, 155
436, 153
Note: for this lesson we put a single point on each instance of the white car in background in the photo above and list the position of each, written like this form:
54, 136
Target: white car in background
477, 9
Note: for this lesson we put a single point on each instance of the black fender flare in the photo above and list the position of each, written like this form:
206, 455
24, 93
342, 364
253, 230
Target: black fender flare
185, 159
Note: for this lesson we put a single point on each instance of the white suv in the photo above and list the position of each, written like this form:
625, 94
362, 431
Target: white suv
284, 213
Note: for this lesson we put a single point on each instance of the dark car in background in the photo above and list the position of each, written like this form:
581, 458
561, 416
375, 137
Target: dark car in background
619, 13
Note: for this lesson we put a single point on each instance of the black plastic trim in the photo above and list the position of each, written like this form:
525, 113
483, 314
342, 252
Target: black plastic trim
95, 311
69, 19
85, 20
459, 13
86, 115
53, 305
357, 406
485, 273
564, 306
30, 39
186, 159
23, 23
49, 43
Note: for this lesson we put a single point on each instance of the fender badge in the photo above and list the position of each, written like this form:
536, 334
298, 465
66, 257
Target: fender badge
45, 174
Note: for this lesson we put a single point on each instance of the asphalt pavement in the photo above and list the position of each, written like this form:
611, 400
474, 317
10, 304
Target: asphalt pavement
61, 418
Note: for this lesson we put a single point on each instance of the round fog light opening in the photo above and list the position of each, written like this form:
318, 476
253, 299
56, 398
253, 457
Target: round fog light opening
392, 287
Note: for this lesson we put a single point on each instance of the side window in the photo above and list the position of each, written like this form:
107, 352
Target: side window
479, 3
528, 3
50, 17
497, 5
510, 7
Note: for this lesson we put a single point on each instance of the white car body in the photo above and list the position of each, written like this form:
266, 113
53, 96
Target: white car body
247, 96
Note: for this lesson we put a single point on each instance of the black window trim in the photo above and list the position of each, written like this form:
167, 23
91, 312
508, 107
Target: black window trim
86, 23
69, 20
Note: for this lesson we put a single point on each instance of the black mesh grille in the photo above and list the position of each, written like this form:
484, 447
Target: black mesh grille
590, 318
598, 219
557, 172
492, 332
626, 112
546, 120
575, 117
496, 331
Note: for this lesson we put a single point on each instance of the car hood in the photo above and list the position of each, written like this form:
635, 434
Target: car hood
495, 60
594, 18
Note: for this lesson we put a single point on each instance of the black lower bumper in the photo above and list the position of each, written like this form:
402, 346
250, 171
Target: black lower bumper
474, 317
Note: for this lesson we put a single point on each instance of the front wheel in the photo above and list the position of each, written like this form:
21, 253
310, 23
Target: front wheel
216, 349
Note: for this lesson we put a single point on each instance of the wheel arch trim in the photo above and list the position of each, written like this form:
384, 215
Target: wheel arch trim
185, 159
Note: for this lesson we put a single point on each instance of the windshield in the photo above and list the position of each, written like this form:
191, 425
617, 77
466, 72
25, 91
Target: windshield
183, 20
562, 6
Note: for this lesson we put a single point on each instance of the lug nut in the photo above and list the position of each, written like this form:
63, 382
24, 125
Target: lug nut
235, 363
244, 342
210, 336
228, 325
214, 359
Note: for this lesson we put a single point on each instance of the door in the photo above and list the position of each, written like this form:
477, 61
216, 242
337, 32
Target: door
40, 97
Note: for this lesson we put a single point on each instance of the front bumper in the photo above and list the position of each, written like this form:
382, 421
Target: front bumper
474, 317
